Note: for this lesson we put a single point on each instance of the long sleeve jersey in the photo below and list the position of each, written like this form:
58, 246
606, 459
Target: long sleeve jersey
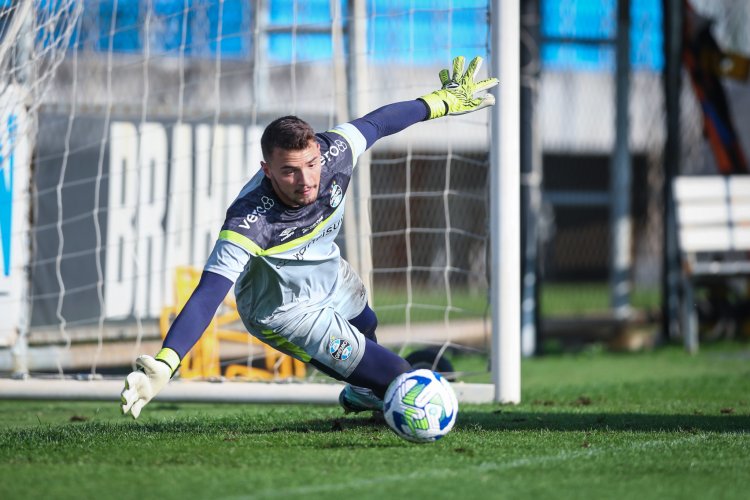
285, 258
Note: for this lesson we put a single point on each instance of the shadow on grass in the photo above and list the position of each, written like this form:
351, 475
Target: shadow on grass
362, 425
498, 420
501, 420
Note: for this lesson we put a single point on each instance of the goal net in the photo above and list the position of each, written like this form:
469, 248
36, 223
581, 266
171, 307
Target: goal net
34, 36
147, 123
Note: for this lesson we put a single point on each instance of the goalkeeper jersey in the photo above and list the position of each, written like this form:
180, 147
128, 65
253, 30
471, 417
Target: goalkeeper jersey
283, 258
274, 252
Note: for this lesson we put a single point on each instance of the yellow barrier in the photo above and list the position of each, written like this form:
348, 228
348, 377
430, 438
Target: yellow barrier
203, 359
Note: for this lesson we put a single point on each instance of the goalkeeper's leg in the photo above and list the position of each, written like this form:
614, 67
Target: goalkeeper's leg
332, 344
366, 322
370, 379
376, 369
378, 366
356, 396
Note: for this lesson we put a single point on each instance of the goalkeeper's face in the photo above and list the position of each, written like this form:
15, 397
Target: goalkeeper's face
295, 174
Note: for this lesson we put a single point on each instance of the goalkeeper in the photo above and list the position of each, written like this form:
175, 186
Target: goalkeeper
294, 291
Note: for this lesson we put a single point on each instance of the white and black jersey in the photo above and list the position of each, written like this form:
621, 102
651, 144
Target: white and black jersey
294, 291
285, 258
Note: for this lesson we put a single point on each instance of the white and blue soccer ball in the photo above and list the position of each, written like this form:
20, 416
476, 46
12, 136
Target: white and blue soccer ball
420, 406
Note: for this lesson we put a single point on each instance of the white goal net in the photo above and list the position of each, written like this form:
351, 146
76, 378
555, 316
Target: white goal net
34, 37
147, 119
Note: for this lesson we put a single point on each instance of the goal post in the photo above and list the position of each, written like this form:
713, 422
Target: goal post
505, 204
149, 126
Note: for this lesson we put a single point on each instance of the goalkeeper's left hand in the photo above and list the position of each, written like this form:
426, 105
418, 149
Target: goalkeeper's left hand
456, 96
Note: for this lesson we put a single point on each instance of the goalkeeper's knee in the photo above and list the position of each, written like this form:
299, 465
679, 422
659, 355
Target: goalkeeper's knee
366, 322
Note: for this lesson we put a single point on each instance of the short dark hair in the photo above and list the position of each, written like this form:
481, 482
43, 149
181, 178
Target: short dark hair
287, 132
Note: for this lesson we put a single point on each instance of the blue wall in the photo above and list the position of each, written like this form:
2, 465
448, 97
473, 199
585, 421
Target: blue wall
597, 19
417, 32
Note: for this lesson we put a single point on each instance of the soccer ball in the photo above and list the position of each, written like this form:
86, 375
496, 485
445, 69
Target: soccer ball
420, 406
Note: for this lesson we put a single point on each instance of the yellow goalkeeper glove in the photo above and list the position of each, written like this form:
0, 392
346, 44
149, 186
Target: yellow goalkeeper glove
456, 97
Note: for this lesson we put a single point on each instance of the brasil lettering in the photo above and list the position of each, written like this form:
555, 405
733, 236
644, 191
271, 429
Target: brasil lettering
169, 186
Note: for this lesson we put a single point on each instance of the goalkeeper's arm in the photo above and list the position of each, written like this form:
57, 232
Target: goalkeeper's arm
456, 97
153, 373
197, 314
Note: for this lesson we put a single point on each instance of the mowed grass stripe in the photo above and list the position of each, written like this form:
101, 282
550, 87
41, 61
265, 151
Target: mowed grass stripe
484, 467
654, 425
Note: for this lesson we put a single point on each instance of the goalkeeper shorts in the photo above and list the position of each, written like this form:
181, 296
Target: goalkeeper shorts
320, 331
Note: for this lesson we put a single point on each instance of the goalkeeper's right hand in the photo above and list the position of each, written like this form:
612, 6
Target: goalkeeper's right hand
150, 377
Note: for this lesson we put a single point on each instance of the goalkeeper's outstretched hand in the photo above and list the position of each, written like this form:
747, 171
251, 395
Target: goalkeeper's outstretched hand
456, 96
150, 377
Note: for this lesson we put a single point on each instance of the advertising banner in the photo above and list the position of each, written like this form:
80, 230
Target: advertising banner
14, 214
120, 204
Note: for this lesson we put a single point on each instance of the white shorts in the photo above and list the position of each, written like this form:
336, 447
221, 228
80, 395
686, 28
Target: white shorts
320, 331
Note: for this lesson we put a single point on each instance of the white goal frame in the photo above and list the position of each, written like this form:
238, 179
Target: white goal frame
503, 267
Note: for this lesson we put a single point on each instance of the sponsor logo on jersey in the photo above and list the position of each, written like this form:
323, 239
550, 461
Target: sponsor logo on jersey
265, 205
336, 149
337, 194
287, 233
312, 226
300, 255
340, 349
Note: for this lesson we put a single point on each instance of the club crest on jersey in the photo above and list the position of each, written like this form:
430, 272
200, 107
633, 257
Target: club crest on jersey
337, 194
339, 349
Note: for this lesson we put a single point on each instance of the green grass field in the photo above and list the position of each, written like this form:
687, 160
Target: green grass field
557, 299
593, 425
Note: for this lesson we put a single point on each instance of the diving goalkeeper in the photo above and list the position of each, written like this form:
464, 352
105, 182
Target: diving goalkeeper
294, 291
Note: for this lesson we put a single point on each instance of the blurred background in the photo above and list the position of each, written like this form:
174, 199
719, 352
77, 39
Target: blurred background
129, 126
